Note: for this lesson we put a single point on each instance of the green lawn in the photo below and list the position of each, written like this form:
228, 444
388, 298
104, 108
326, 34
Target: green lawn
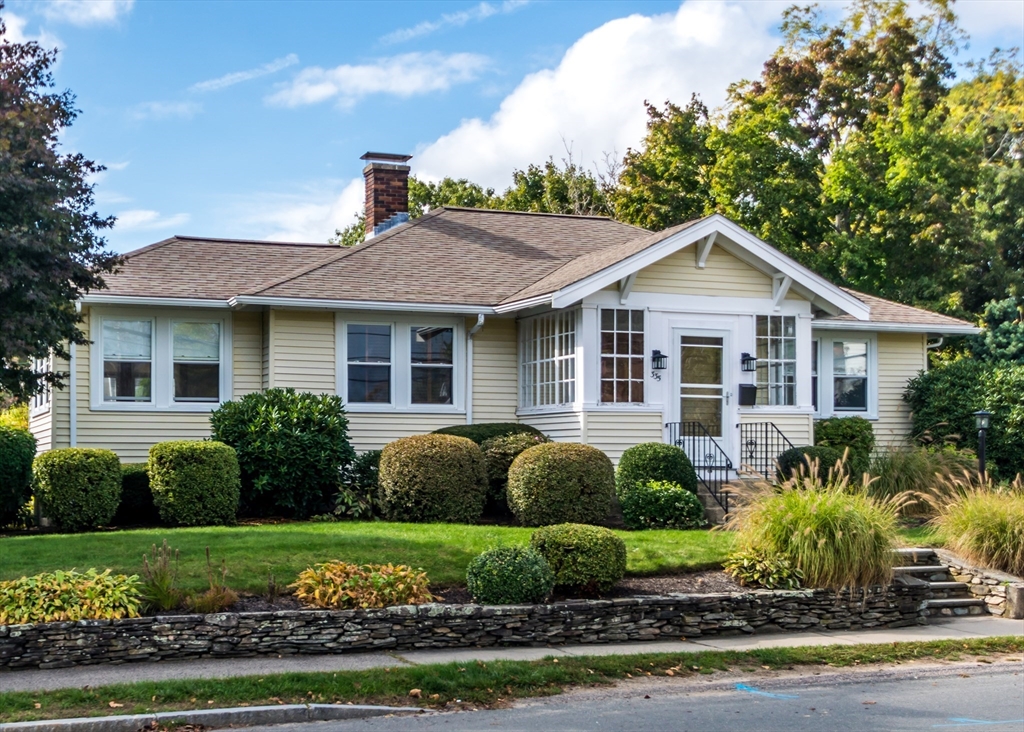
254, 552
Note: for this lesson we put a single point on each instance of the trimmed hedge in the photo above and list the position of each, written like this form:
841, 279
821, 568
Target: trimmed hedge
478, 433
561, 482
17, 450
433, 478
499, 454
511, 575
78, 488
659, 504
292, 447
855, 433
655, 461
585, 559
137, 507
792, 459
194, 483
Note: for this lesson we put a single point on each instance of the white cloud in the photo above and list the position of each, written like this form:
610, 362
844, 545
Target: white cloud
237, 77
16, 33
310, 214
594, 97
87, 12
165, 110
453, 20
405, 75
146, 220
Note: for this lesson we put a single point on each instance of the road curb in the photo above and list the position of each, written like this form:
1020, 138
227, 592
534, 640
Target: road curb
236, 716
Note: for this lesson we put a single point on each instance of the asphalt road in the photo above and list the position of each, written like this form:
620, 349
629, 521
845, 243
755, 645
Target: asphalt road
950, 697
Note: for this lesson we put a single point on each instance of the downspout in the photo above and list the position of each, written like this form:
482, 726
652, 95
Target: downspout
469, 366
73, 389
931, 346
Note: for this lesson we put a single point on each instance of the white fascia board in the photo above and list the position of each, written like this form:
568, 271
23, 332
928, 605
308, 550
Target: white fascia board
526, 304
762, 252
169, 302
894, 327
324, 304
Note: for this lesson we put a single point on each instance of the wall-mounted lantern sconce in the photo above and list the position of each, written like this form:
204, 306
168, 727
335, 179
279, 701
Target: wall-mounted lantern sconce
659, 361
748, 362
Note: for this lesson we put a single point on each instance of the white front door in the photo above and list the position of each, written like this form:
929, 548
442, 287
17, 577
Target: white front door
702, 396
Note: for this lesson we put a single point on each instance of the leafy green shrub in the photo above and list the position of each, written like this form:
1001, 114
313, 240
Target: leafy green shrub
194, 483
840, 433
511, 575
341, 585
797, 458
499, 453
834, 533
488, 430
292, 447
655, 461
983, 524
359, 494
585, 559
17, 450
80, 488
136, 507
15, 417
159, 590
758, 568
433, 478
560, 482
658, 504
62, 596
916, 469
943, 401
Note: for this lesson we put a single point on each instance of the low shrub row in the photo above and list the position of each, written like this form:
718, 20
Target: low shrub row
17, 450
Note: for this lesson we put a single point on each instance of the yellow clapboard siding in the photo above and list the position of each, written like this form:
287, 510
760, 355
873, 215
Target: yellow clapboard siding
246, 353
302, 351
495, 374
613, 432
900, 357
559, 426
41, 427
723, 275
798, 428
372, 431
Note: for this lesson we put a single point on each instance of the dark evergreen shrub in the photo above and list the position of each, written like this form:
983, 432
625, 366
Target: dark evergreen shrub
791, 460
17, 450
585, 559
560, 482
855, 433
433, 478
512, 575
194, 483
137, 507
488, 430
499, 452
78, 488
655, 461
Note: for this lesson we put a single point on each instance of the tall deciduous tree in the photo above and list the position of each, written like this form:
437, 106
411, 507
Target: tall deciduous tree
51, 251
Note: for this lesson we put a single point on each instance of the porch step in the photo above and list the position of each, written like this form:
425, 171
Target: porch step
948, 598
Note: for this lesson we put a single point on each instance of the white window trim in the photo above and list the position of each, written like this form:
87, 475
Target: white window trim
162, 368
41, 403
796, 363
826, 377
401, 364
580, 355
643, 406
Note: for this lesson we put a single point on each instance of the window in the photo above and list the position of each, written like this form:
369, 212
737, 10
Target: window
776, 360
431, 356
40, 401
547, 348
622, 356
369, 364
127, 360
195, 353
850, 376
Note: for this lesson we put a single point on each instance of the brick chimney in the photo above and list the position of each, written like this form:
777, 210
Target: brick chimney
387, 191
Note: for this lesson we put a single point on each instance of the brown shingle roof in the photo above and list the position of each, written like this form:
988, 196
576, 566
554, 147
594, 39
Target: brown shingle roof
215, 269
887, 311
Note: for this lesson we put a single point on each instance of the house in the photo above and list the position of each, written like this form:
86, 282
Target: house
589, 329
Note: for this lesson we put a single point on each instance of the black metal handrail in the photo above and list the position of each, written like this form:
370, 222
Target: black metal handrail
709, 460
761, 443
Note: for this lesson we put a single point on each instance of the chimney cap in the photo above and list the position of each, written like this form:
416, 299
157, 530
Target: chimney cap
385, 157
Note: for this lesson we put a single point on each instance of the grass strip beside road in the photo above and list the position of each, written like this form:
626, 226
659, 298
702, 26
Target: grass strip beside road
472, 684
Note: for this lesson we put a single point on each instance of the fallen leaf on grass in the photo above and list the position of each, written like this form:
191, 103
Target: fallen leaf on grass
38, 705
114, 705
415, 693
670, 672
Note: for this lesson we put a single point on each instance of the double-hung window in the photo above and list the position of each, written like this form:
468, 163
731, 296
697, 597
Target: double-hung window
776, 360
127, 360
547, 365
850, 375
40, 401
432, 365
622, 356
195, 352
369, 364
844, 374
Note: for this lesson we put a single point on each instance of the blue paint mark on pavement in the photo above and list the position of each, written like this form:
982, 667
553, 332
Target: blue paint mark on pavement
752, 690
965, 722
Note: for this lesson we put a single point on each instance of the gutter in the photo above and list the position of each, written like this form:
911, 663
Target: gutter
894, 327
469, 365
325, 304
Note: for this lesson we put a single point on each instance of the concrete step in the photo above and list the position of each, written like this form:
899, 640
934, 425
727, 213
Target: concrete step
922, 569
955, 602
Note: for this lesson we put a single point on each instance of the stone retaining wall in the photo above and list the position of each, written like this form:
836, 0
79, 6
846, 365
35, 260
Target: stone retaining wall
54, 645
1003, 593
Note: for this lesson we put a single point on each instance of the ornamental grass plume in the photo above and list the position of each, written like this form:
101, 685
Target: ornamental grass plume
834, 532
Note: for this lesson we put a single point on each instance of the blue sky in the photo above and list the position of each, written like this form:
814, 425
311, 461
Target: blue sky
247, 119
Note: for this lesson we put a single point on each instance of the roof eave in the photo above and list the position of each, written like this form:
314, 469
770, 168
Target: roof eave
147, 301
330, 304
931, 328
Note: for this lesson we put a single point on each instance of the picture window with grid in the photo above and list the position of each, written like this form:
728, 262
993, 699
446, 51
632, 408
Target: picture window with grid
776, 360
622, 356
547, 348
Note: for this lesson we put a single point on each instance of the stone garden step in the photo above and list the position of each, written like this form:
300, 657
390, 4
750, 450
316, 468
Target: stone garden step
962, 586
922, 569
955, 602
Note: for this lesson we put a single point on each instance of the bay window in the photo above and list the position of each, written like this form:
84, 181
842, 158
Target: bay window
547, 360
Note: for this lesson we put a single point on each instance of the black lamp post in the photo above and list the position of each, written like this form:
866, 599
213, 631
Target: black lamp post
982, 420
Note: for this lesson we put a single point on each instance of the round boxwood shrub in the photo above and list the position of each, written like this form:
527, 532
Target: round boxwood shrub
433, 478
511, 575
840, 433
292, 447
194, 483
658, 504
791, 460
655, 461
137, 507
499, 453
560, 482
79, 488
585, 559
478, 433
17, 450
